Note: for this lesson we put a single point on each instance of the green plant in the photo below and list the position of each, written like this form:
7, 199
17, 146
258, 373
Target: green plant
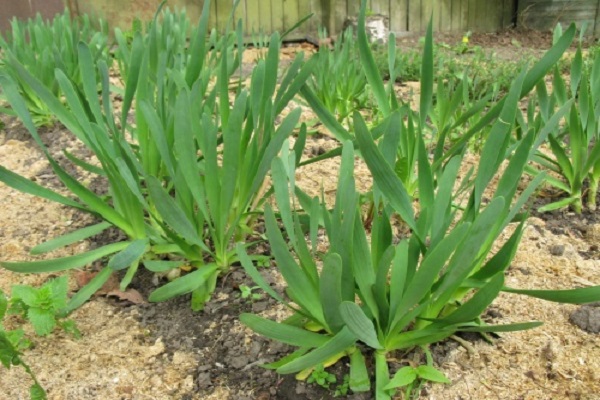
321, 377
11, 344
43, 306
342, 389
247, 292
412, 376
185, 182
575, 148
376, 298
41, 47
338, 79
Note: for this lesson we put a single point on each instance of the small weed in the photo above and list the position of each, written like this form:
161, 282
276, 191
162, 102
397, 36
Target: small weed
321, 377
42, 307
247, 293
343, 388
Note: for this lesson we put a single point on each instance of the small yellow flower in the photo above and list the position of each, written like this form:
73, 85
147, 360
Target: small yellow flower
465, 39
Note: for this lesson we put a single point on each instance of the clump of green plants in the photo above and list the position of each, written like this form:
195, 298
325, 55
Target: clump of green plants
338, 79
43, 308
41, 47
574, 156
186, 181
388, 296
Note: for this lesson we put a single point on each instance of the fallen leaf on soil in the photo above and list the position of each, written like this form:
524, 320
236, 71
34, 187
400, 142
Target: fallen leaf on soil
82, 278
130, 295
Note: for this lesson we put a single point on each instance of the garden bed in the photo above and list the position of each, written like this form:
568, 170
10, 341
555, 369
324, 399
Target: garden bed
133, 350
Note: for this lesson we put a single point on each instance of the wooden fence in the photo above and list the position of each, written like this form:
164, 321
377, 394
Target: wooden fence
545, 14
267, 16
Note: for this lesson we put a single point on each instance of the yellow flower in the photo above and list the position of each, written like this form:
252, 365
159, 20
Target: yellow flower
465, 39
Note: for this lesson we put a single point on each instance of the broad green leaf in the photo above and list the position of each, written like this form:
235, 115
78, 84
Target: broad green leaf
184, 284
129, 255
359, 376
359, 324
282, 332
431, 374
36, 392
42, 320
408, 339
330, 288
343, 340
404, 376
382, 376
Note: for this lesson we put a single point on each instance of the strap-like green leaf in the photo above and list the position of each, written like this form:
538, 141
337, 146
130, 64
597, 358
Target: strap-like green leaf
61, 264
129, 255
383, 173
337, 344
70, 238
569, 296
88, 290
26, 186
282, 332
185, 284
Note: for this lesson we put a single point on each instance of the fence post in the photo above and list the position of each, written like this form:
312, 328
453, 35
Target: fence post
597, 20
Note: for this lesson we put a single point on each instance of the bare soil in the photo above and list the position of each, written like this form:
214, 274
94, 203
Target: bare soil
135, 350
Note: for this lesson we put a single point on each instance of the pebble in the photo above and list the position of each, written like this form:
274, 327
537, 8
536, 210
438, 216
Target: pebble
204, 380
557, 249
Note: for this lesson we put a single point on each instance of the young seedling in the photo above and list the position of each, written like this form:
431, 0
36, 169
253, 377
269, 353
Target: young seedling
247, 292
43, 307
11, 345
321, 377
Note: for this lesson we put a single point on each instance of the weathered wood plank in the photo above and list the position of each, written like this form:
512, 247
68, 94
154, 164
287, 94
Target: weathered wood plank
545, 14
379, 6
264, 14
445, 19
414, 16
597, 21
472, 22
508, 13
276, 15
399, 15
339, 10
291, 15
352, 8
316, 7
427, 11
252, 18
224, 9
